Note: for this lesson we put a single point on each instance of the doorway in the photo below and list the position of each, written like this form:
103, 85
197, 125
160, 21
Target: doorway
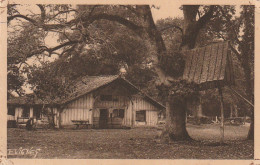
103, 119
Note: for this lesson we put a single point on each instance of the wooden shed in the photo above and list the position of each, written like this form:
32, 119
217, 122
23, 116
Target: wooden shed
104, 101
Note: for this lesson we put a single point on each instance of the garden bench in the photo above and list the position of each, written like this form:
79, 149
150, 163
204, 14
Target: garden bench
81, 122
22, 120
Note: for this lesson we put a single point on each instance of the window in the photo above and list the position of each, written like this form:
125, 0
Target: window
11, 111
106, 97
119, 113
140, 116
26, 112
37, 112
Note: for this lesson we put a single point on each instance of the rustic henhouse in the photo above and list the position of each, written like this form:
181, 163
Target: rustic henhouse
103, 101
210, 66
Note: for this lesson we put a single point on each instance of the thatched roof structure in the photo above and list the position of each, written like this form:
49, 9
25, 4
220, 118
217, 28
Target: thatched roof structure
83, 86
210, 66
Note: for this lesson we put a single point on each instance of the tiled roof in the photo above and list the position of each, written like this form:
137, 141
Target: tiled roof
27, 99
79, 88
87, 84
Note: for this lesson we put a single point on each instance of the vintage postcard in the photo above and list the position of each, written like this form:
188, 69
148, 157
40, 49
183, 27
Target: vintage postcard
123, 82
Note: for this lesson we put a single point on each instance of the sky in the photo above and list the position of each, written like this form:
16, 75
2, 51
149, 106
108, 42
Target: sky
167, 10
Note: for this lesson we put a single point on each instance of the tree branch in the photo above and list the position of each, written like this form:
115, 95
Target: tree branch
137, 29
10, 18
236, 37
50, 50
63, 45
233, 28
206, 17
46, 27
130, 8
19, 93
236, 52
43, 13
68, 50
62, 12
232, 48
92, 10
199, 14
172, 26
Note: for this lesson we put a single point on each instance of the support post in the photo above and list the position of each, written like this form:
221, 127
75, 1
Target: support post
231, 110
31, 112
186, 118
222, 115
133, 114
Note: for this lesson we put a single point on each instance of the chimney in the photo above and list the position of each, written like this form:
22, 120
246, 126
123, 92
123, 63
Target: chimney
122, 72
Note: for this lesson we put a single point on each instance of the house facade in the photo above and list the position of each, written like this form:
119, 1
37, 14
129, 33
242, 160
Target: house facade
103, 101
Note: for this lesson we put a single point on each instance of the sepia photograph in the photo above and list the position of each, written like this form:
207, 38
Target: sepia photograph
125, 81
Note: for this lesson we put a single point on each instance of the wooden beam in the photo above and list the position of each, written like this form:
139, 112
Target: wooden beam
222, 114
133, 113
243, 98
31, 112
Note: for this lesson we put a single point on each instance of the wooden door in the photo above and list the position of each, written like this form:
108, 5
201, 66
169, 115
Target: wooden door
103, 119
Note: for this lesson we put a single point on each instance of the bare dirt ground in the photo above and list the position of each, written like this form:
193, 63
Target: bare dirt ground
137, 143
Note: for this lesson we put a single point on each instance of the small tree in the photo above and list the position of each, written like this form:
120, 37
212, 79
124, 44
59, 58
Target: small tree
48, 87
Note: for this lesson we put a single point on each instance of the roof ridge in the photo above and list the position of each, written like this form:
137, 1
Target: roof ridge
102, 75
87, 76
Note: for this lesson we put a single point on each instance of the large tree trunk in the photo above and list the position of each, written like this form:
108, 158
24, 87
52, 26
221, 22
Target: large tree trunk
176, 108
59, 119
190, 28
175, 128
51, 118
250, 135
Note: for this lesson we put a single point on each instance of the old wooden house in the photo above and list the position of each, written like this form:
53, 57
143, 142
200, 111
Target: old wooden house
103, 101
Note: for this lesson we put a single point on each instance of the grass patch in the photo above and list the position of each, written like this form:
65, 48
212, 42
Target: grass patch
137, 143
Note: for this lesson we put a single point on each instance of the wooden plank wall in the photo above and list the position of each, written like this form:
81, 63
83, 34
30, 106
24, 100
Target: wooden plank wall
18, 112
118, 102
79, 109
84, 108
10, 117
128, 114
151, 118
138, 104
151, 111
142, 104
